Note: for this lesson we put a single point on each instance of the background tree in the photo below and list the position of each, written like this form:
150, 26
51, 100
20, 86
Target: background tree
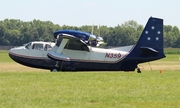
15, 32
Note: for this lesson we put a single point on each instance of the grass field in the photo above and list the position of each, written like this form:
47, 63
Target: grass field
26, 87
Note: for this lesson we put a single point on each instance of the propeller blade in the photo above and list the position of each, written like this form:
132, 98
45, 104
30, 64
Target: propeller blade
92, 31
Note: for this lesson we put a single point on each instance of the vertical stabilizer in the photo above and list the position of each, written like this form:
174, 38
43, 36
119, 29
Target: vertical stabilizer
149, 46
150, 43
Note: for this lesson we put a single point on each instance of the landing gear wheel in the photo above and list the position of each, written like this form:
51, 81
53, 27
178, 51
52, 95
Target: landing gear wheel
138, 70
56, 68
53, 70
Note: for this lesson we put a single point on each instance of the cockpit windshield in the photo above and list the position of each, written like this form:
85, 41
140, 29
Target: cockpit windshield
28, 46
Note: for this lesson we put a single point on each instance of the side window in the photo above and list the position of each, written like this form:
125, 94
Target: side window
28, 46
47, 47
37, 46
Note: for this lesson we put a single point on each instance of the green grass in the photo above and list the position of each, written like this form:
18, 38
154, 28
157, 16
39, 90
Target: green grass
4, 57
22, 87
89, 89
172, 50
44, 89
171, 57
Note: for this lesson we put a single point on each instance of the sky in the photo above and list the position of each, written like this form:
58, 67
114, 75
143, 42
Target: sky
86, 12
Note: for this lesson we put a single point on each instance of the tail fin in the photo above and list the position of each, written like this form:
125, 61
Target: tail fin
150, 44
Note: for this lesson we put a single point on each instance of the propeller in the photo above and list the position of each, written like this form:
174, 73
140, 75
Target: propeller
99, 39
94, 39
92, 29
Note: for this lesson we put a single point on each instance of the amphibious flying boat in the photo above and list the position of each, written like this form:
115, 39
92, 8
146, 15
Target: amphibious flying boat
77, 51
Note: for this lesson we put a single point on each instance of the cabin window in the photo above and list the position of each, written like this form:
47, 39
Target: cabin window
28, 46
37, 46
47, 47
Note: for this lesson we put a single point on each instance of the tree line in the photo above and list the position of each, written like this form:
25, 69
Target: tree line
16, 32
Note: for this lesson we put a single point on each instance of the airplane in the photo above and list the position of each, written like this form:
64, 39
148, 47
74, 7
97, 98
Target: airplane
77, 51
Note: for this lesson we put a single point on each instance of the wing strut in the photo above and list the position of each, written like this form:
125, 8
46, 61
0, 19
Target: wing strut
57, 55
62, 45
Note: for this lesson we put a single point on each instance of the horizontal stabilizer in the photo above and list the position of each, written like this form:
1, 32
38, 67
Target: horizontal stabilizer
56, 56
148, 51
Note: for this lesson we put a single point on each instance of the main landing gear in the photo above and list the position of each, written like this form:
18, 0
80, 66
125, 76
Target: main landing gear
138, 70
53, 70
56, 67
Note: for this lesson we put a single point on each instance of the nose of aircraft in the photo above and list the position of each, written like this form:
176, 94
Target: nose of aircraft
14, 53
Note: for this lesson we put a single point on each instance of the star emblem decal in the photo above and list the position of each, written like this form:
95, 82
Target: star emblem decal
148, 38
158, 32
146, 32
152, 27
157, 38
